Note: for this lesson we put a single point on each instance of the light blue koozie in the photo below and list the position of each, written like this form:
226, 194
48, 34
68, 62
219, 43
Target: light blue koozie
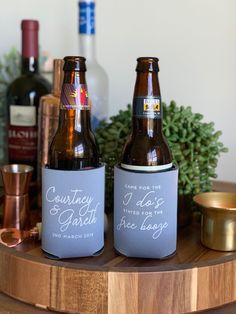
145, 213
72, 212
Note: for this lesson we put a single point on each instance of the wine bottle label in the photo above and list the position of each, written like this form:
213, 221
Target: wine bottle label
22, 143
22, 133
22, 115
86, 17
73, 212
145, 213
74, 97
147, 107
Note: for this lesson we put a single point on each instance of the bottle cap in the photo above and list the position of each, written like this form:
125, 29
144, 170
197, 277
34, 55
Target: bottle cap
87, 1
30, 38
32, 25
87, 17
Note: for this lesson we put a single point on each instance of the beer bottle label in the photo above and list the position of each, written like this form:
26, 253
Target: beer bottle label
147, 107
74, 97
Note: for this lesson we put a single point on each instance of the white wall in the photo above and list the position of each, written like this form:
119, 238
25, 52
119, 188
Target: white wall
195, 41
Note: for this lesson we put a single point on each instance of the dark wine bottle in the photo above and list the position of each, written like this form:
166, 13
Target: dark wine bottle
146, 149
73, 146
23, 96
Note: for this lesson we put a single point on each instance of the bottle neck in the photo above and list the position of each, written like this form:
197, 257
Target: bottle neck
87, 47
30, 50
148, 126
29, 65
87, 30
147, 109
147, 84
74, 120
75, 108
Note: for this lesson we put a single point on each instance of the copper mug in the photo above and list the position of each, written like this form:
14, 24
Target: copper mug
16, 180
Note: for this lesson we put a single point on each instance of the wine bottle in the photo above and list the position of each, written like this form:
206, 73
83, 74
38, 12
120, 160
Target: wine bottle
96, 76
23, 96
73, 146
146, 149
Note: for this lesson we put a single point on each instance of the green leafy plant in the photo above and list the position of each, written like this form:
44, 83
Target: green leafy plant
9, 70
194, 144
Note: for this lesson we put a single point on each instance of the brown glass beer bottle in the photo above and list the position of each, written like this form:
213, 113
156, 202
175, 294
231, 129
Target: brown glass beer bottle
146, 149
73, 146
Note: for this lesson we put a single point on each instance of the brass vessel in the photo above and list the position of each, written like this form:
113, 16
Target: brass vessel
218, 221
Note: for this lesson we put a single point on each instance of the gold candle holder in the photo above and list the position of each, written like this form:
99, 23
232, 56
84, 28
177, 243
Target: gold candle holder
218, 221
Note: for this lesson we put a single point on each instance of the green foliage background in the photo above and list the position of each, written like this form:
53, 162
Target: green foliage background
195, 147
9, 70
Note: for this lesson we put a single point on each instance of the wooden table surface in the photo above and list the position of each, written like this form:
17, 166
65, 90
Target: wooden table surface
9, 305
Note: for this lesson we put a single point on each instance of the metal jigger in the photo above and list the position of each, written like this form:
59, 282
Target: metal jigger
16, 179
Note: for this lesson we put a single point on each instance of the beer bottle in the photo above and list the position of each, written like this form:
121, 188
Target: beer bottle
146, 148
73, 146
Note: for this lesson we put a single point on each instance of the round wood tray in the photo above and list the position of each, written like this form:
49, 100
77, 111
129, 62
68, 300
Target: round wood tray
195, 278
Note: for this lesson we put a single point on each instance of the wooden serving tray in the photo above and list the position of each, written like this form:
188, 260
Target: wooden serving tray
195, 278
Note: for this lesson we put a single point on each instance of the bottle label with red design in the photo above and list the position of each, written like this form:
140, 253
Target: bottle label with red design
22, 133
74, 96
147, 107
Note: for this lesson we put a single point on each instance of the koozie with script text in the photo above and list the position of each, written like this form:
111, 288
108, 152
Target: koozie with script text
72, 212
145, 213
